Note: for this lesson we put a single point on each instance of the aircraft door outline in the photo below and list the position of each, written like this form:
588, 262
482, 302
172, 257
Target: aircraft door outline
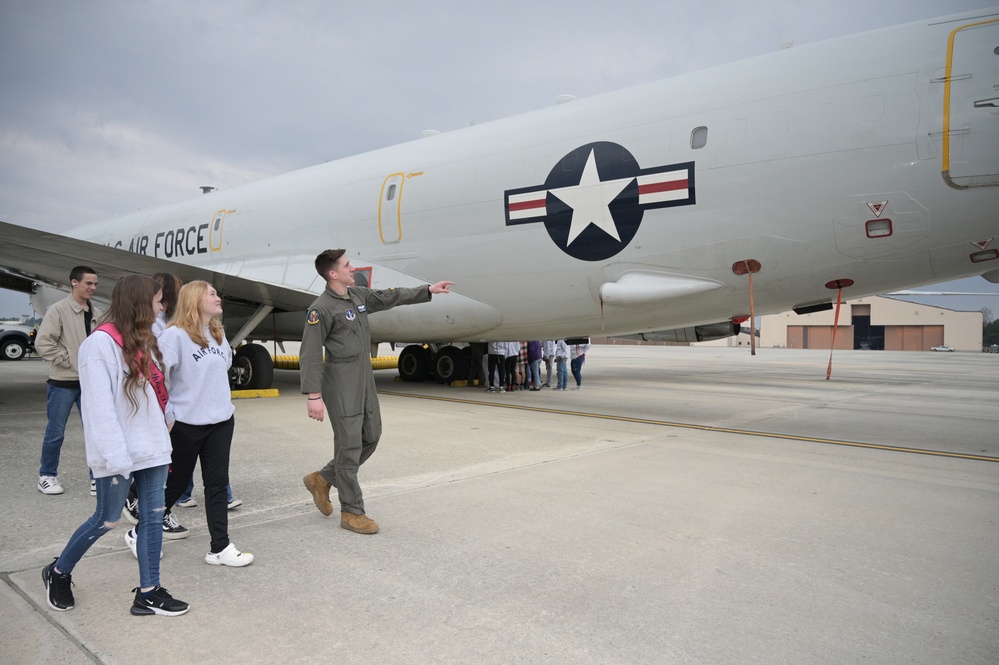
215, 230
390, 209
971, 108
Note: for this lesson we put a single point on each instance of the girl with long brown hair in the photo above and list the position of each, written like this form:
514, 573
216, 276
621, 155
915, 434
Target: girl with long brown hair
126, 435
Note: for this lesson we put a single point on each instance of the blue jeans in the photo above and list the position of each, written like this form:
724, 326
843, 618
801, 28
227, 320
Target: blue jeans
562, 373
536, 372
60, 404
577, 369
111, 494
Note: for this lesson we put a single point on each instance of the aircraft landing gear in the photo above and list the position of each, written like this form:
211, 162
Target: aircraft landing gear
414, 363
446, 364
451, 364
252, 368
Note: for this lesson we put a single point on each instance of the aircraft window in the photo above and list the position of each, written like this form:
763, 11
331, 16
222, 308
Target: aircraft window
698, 138
361, 278
390, 194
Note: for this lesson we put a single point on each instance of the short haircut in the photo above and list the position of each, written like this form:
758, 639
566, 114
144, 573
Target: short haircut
327, 260
78, 272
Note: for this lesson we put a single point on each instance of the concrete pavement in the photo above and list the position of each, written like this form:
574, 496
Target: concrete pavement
689, 505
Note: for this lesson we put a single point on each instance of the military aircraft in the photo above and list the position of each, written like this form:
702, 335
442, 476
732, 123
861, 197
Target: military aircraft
868, 164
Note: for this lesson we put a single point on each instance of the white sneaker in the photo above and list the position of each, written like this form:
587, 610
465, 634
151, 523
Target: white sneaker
131, 538
235, 503
230, 556
49, 485
190, 503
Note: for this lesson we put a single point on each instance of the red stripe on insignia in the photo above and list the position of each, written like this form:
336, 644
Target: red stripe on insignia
667, 186
527, 205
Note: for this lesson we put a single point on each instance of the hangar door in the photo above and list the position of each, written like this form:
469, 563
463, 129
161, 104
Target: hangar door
913, 338
819, 337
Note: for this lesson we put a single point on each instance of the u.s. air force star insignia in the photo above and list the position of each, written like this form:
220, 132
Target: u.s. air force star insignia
350, 315
593, 201
313, 317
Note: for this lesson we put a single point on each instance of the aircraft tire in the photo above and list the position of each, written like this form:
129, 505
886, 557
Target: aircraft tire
450, 364
414, 363
252, 368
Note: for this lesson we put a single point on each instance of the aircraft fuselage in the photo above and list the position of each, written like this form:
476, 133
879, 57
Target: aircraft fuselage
870, 160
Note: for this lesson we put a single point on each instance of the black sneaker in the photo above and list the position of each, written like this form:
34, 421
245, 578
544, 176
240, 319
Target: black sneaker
131, 509
159, 601
57, 588
172, 529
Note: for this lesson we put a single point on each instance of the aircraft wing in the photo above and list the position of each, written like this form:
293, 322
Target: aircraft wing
28, 255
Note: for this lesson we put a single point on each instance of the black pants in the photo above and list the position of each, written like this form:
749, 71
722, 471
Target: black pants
497, 361
210, 443
511, 370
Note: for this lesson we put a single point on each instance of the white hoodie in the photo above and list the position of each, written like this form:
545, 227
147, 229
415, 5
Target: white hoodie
119, 439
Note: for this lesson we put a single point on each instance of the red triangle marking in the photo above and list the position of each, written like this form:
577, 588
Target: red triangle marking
877, 208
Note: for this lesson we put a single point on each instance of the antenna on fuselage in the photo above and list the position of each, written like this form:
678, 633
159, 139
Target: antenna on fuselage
207, 188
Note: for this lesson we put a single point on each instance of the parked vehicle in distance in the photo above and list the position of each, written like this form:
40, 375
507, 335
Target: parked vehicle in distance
942, 347
16, 341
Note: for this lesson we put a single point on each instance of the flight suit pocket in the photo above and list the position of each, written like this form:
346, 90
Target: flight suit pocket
348, 400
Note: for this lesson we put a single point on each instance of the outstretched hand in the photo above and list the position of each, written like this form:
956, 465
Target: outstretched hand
441, 287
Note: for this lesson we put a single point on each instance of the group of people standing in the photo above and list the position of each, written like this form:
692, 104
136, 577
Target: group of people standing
153, 394
511, 366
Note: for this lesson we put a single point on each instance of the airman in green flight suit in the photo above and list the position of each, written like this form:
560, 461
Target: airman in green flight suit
343, 383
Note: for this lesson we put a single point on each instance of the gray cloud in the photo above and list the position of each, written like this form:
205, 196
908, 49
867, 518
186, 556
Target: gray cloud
113, 105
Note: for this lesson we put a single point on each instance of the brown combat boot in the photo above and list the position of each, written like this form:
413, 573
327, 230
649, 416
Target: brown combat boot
358, 523
320, 492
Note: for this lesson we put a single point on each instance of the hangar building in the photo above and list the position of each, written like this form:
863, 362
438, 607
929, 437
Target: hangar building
877, 323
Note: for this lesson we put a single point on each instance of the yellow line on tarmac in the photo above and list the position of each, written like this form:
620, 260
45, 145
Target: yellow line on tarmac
705, 428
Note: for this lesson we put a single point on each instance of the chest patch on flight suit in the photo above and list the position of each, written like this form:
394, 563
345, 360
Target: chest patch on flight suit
313, 317
361, 309
349, 314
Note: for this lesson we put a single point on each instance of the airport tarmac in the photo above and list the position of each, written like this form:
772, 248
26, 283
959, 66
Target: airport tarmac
689, 505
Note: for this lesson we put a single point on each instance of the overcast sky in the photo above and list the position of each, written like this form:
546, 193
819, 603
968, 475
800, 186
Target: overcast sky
107, 106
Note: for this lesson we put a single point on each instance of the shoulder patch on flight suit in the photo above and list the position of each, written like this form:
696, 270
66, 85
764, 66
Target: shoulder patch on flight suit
313, 317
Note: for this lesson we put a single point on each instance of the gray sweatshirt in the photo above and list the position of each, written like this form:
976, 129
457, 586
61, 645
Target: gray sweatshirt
119, 440
197, 378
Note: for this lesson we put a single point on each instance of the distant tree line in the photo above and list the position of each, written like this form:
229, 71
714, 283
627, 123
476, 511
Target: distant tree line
990, 333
